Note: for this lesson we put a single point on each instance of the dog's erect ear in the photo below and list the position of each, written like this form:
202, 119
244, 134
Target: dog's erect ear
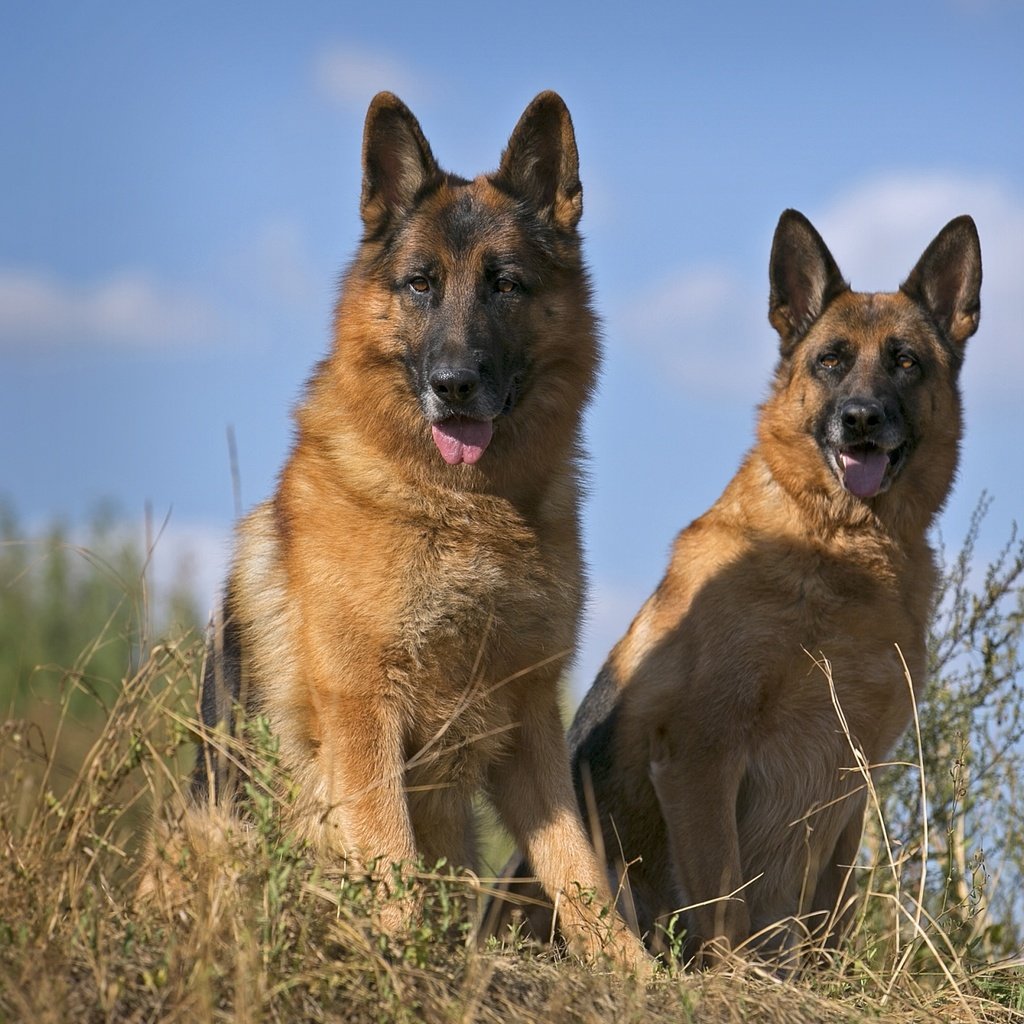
947, 280
541, 164
397, 162
804, 278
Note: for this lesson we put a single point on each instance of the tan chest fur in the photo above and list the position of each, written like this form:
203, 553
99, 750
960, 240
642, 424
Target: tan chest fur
440, 610
782, 655
781, 633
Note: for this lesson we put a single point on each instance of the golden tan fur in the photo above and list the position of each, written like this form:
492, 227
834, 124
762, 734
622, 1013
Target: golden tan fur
710, 742
403, 622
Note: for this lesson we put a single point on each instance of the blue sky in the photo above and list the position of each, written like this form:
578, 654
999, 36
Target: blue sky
180, 192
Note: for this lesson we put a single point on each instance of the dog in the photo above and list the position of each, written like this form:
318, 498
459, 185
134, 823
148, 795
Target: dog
402, 609
718, 749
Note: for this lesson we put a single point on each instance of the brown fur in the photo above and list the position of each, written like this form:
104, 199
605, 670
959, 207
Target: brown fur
401, 621
710, 742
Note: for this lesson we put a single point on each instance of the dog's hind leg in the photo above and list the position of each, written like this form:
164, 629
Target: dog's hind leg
832, 906
698, 802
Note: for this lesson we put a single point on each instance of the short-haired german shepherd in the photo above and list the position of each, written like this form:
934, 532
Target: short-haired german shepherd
403, 608
710, 743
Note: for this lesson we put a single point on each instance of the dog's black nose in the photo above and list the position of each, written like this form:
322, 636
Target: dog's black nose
862, 416
454, 384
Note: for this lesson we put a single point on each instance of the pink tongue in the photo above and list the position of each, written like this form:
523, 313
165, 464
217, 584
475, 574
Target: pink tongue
461, 440
863, 471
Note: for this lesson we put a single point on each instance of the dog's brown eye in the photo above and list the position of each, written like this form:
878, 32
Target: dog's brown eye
829, 360
505, 285
419, 284
905, 362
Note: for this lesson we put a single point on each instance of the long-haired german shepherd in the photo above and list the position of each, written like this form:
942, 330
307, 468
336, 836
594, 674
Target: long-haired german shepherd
402, 609
718, 742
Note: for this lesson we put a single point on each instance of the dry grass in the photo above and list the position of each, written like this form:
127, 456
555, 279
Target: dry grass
266, 933
272, 936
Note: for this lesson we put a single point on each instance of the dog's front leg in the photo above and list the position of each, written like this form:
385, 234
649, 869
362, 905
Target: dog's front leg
697, 791
533, 793
367, 818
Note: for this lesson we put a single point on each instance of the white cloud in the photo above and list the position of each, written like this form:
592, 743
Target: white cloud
279, 262
190, 555
697, 317
350, 77
707, 327
878, 231
127, 309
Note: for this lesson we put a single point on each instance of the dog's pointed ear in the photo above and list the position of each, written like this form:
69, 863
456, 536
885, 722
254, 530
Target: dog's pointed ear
804, 278
540, 163
947, 279
397, 161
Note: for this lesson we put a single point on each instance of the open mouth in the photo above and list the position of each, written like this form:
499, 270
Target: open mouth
462, 440
866, 470
463, 434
